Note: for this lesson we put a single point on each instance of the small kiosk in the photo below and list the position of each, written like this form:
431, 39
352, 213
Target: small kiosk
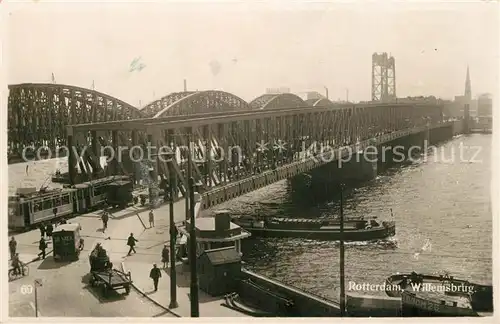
213, 233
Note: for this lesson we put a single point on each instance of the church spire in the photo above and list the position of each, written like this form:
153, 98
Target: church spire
467, 86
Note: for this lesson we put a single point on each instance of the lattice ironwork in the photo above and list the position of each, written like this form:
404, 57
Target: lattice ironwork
236, 146
38, 113
203, 102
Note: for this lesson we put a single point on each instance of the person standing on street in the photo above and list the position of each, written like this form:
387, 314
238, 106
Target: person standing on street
42, 230
42, 246
12, 247
155, 274
49, 229
165, 256
131, 242
105, 219
151, 219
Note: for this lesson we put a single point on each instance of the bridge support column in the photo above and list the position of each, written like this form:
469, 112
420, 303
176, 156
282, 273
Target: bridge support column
72, 171
96, 152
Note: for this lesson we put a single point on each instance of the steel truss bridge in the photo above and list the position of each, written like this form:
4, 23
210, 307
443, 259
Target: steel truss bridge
236, 146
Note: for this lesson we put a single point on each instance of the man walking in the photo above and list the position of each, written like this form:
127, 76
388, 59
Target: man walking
42, 246
42, 230
105, 219
151, 219
155, 274
165, 256
12, 247
131, 242
49, 229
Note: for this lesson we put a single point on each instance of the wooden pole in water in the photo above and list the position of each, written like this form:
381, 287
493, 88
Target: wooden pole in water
342, 260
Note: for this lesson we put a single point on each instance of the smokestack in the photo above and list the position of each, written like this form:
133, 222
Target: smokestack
185, 85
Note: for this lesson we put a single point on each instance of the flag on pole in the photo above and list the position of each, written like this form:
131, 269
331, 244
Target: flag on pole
53, 78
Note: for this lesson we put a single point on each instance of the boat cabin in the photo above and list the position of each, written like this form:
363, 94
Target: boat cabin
67, 242
214, 233
30, 206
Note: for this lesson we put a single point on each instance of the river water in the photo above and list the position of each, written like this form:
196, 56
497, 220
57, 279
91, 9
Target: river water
441, 204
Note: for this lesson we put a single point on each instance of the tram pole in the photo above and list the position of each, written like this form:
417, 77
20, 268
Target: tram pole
342, 257
36, 300
173, 238
195, 312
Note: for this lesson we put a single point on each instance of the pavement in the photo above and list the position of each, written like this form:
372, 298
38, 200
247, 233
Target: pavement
65, 290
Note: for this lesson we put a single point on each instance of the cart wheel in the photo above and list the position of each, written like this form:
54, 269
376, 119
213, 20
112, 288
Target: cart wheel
127, 289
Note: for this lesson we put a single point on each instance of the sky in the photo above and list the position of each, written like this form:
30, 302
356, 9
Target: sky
244, 48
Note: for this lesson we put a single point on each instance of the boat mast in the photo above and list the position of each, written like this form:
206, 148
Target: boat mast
342, 275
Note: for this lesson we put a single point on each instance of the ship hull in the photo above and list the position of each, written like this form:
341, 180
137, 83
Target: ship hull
326, 235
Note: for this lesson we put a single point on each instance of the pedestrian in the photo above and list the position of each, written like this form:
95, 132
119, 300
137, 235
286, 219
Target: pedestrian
16, 264
155, 274
151, 219
49, 229
42, 246
165, 256
131, 242
54, 211
12, 247
42, 229
105, 219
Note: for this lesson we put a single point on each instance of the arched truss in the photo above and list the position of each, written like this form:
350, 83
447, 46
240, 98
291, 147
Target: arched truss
153, 108
276, 101
38, 113
202, 102
322, 102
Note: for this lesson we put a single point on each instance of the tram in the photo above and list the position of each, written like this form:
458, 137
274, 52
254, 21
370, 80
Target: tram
30, 207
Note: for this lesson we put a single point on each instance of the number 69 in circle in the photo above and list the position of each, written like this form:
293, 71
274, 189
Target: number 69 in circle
26, 289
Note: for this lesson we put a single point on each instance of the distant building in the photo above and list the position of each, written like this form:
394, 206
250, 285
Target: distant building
277, 90
310, 95
484, 105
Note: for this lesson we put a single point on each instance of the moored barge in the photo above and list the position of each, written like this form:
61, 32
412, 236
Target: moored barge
317, 229
428, 295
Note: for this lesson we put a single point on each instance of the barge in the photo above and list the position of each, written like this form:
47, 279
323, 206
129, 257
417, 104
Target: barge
317, 229
428, 295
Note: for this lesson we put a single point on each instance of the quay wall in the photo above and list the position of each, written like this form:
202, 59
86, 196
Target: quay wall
304, 304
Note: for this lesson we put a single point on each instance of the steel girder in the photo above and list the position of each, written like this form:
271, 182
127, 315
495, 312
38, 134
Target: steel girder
233, 146
187, 103
273, 101
39, 113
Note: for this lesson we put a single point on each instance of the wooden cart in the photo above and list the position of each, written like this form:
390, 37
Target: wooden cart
111, 280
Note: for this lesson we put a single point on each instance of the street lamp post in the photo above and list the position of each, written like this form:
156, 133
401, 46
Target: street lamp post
173, 237
195, 312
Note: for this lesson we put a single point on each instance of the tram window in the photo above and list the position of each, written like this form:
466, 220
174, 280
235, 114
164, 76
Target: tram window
38, 206
47, 204
57, 202
65, 199
97, 191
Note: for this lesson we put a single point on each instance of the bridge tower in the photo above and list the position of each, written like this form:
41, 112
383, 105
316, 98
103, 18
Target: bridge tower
383, 78
467, 98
